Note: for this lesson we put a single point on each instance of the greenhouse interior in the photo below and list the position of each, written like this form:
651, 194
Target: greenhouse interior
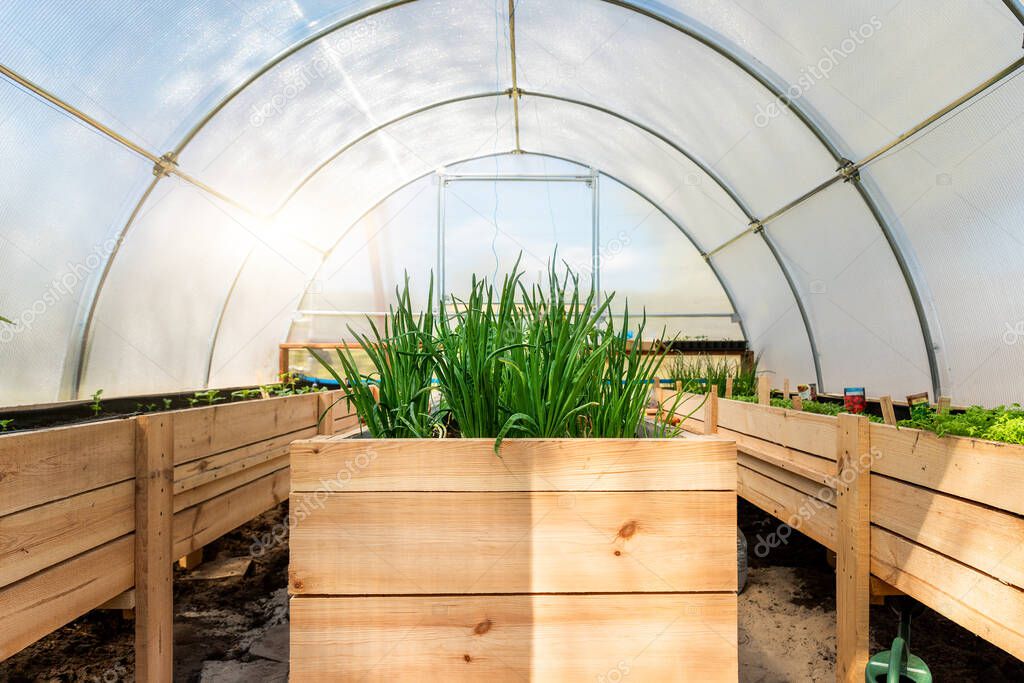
512, 340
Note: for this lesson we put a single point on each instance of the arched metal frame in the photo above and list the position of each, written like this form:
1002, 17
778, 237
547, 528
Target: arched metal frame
678, 225
910, 270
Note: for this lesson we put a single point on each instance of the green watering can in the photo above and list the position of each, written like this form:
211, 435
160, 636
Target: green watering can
897, 665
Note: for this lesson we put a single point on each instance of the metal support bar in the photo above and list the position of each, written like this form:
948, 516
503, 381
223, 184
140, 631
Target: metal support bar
1015, 9
330, 313
456, 177
514, 93
595, 236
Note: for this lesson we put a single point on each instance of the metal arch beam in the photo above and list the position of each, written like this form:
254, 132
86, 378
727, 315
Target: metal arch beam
1015, 8
911, 273
679, 226
705, 168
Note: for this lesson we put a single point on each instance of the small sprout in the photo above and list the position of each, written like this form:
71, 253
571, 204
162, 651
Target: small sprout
192, 401
5, 425
167, 403
208, 397
96, 407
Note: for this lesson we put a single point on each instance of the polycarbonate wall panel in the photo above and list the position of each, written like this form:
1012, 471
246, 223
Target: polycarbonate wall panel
956, 192
151, 69
352, 184
864, 321
638, 159
771, 317
606, 55
159, 307
64, 194
325, 96
870, 68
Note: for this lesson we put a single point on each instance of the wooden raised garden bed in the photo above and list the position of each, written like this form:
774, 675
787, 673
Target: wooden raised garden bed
560, 560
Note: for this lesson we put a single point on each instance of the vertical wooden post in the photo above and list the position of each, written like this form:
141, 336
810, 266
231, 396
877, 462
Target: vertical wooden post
283, 364
656, 394
325, 411
785, 388
943, 405
764, 390
728, 387
679, 386
853, 547
888, 411
711, 410
154, 540
798, 403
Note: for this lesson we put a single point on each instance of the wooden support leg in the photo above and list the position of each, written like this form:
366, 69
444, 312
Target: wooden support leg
154, 538
853, 548
192, 560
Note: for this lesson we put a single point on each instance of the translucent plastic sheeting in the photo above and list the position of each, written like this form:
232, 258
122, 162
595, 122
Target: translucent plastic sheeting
326, 95
771, 317
153, 69
159, 309
337, 196
870, 69
607, 55
638, 159
489, 226
955, 191
865, 324
64, 194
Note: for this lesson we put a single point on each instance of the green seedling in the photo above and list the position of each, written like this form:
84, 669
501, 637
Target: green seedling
5, 425
245, 394
96, 407
168, 403
208, 397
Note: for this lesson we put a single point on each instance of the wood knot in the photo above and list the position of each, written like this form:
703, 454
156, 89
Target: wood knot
629, 529
617, 553
483, 627
297, 584
467, 658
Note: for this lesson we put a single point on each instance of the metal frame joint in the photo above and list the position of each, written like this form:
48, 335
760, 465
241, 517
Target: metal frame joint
166, 165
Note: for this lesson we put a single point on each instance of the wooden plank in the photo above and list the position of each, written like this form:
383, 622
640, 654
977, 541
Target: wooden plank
728, 387
815, 434
201, 432
192, 560
154, 500
199, 472
45, 601
201, 524
958, 466
36, 538
943, 405
974, 600
988, 540
695, 463
541, 638
711, 410
42, 466
853, 548
785, 476
219, 486
888, 410
123, 601
812, 467
800, 511
430, 543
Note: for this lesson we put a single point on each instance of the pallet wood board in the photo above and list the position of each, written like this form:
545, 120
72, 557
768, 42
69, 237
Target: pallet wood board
545, 542
42, 536
201, 432
204, 470
814, 434
542, 638
193, 497
694, 463
45, 601
804, 513
50, 464
978, 536
958, 466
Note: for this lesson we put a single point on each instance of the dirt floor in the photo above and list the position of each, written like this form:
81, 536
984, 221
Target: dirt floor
234, 630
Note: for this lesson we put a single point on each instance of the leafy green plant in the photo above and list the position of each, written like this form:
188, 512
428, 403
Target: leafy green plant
168, 403
994, 424
209, 397
399, 406
96, 406
697, 372
5, 425
245, 394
